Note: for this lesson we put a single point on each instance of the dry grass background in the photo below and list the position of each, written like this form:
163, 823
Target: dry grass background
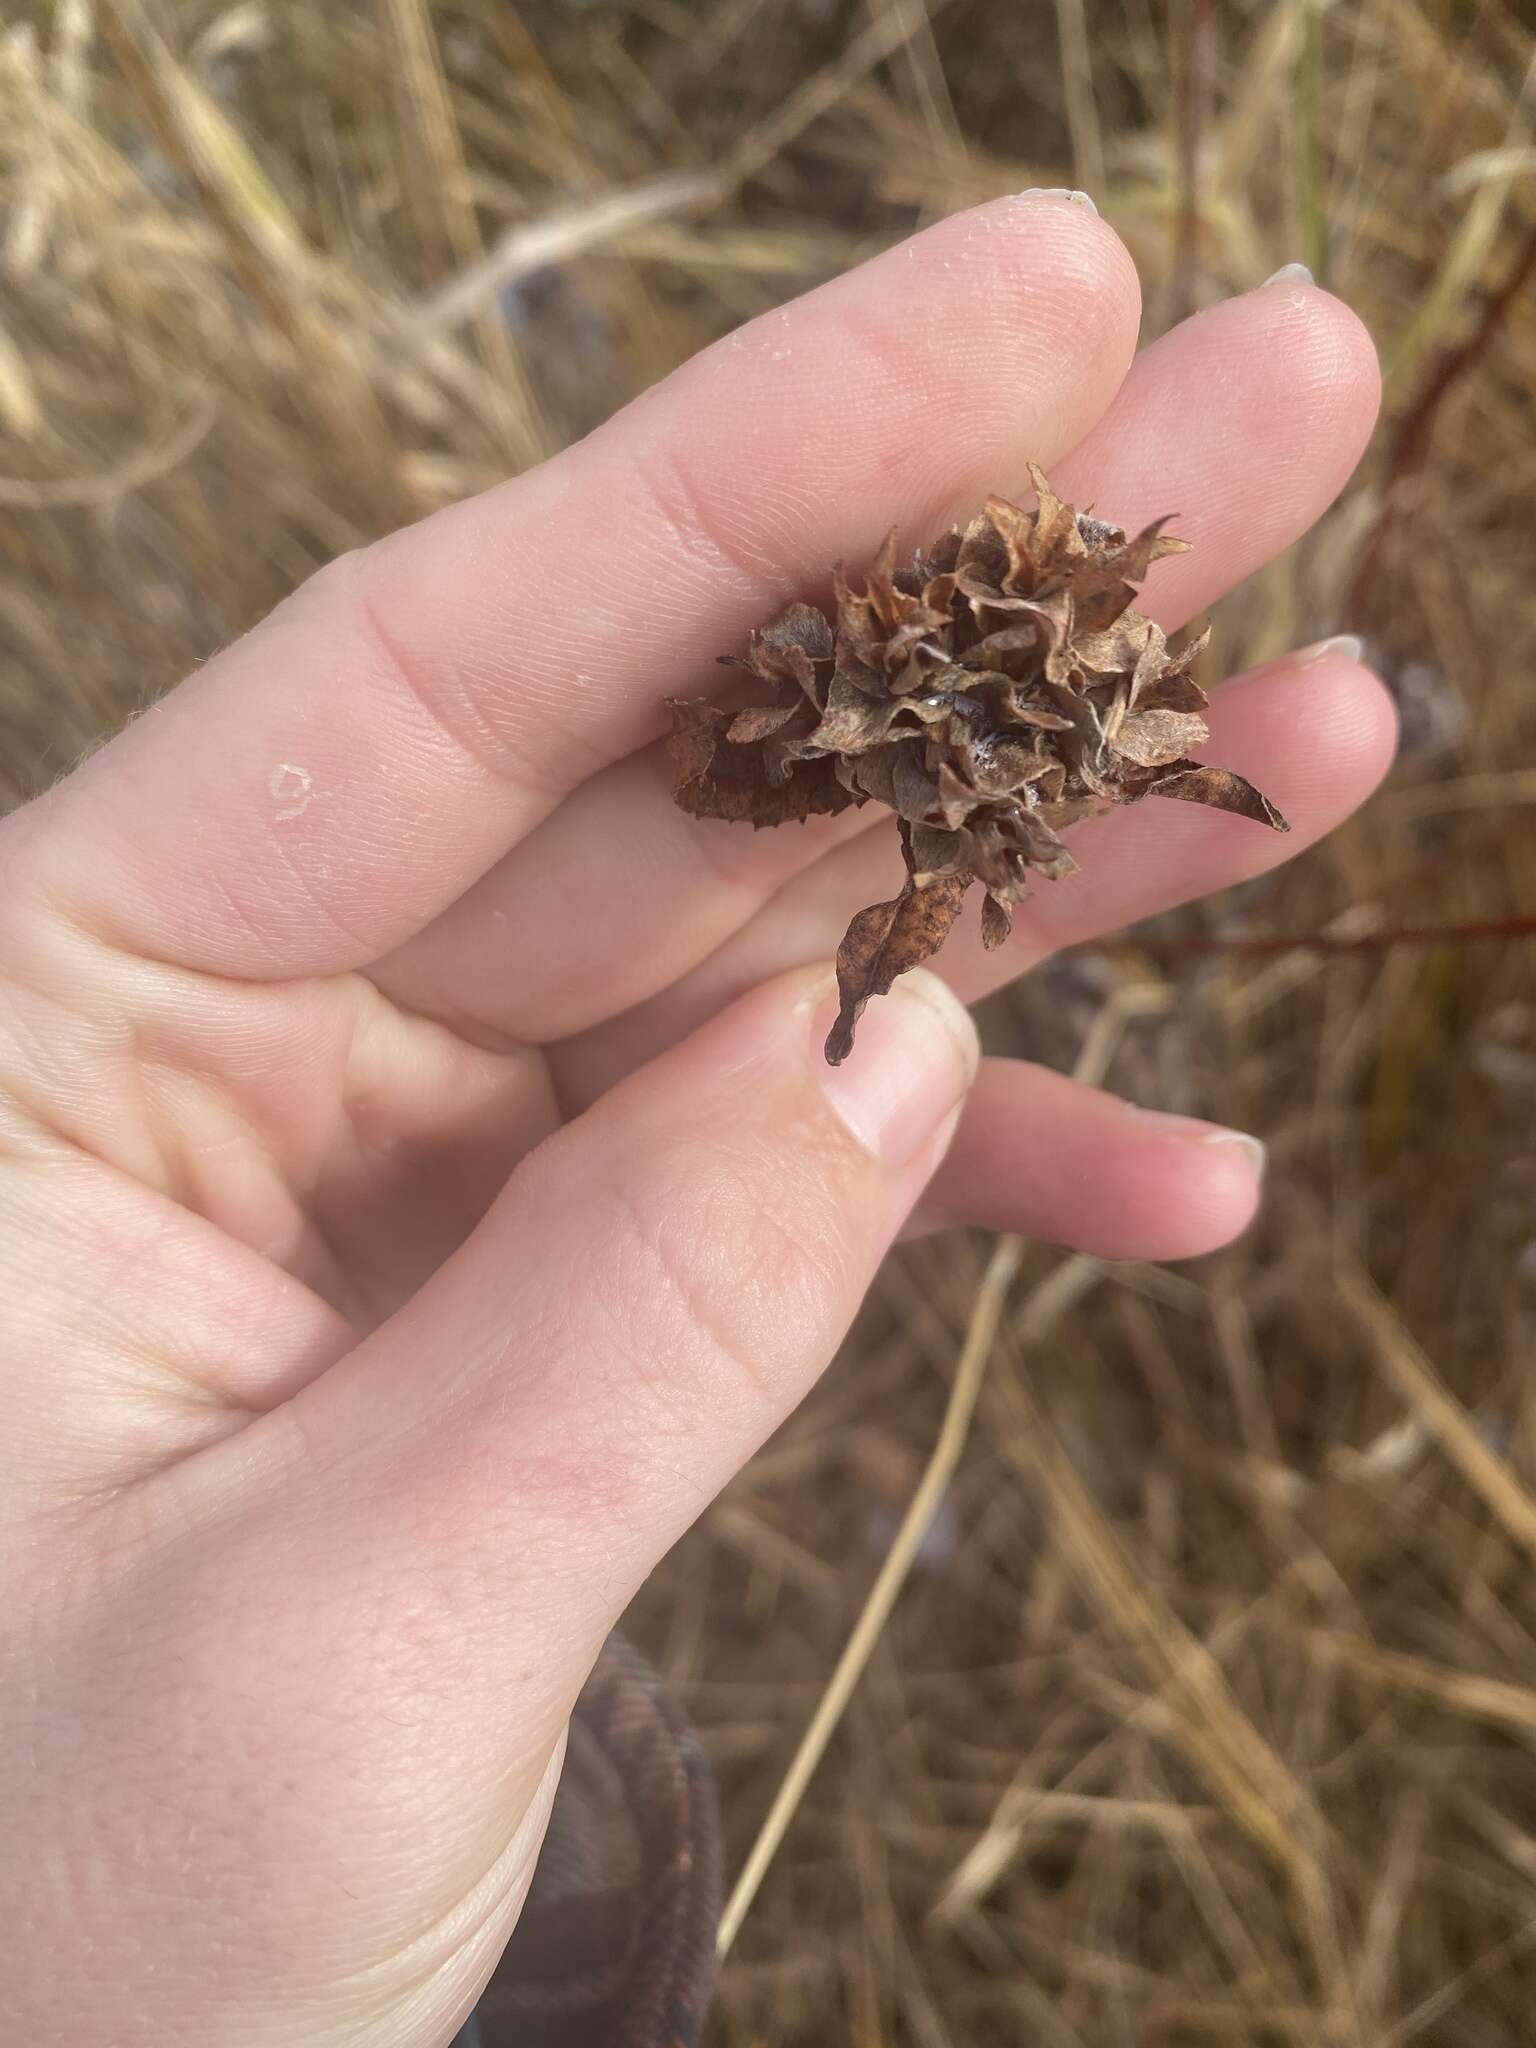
1208, 1713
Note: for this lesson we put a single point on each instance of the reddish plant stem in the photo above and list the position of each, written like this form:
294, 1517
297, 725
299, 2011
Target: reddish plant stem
1409, 444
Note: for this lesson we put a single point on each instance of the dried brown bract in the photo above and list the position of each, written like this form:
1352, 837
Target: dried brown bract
991, 694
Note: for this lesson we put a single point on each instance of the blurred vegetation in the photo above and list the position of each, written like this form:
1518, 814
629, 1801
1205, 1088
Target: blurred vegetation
1209, 1711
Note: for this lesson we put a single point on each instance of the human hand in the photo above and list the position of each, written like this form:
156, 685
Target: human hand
422, 1188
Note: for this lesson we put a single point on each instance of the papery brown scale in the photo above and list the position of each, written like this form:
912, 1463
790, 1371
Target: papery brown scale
937, 852
1193, 783
874, 773
716, 778
1119, 647
1153, 739
1054, 531
996, 922
853, 721
802, 626
916, 791
1170, 692
757, 724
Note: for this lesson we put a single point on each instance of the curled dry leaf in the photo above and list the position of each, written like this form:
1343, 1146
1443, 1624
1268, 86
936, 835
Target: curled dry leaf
886, 940
991, 694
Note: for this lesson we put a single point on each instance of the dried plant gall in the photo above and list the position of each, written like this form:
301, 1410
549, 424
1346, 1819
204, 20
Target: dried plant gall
991, 694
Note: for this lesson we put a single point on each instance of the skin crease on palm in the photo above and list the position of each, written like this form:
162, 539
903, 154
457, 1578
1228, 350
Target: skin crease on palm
421, 1189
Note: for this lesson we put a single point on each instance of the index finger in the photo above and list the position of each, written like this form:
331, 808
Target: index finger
334, 780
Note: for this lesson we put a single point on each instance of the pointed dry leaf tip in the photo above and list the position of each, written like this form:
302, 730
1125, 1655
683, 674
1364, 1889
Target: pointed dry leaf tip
885, 941
991, 693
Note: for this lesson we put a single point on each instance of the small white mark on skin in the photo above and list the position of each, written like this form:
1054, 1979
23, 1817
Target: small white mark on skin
292, 789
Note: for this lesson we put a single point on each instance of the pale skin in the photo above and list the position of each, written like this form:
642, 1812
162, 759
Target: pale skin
420, 1188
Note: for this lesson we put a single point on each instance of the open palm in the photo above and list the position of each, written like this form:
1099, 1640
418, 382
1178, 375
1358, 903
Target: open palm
420, 1189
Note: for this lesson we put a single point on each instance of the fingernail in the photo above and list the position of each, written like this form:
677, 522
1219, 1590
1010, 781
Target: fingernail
1252, 1148
1290, 273
1202, 1133
1347, 646
913, 1058
1059, 192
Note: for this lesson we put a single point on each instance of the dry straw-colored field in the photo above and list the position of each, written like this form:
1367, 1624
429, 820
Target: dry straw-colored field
1208, 1711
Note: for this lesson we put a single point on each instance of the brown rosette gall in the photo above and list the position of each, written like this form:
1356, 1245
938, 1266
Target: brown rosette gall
991, 694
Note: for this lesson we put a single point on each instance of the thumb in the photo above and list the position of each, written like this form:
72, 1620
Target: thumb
654, 1290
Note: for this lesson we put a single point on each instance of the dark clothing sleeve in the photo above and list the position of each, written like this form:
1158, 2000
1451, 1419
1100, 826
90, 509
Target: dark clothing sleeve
615, 1945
